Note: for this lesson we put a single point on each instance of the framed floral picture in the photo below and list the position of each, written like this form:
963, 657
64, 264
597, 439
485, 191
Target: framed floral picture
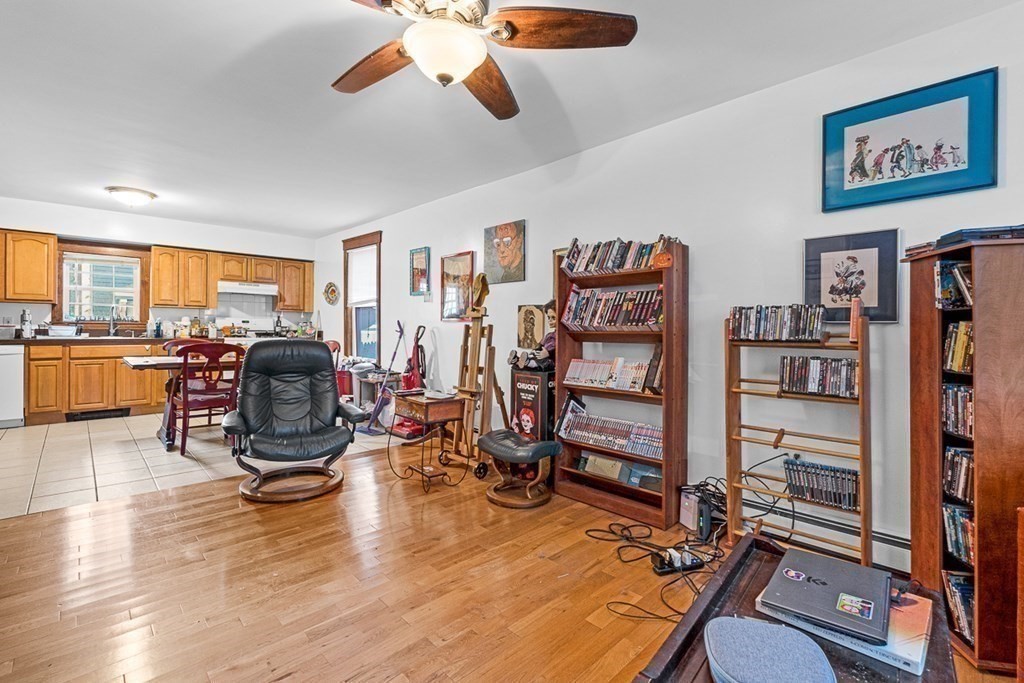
457, 286
419, 271
865, 265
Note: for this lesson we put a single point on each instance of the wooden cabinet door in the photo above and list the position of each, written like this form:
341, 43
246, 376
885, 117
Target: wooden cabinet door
308, 293
234, 267
45, 386
290, 286
30, 261
165, 277
90, 384
132, 387
194, 281
263, 270
159, 379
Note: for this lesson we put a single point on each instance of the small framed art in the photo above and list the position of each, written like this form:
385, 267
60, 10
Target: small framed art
865, 265
457, 286
935, 140
419, 271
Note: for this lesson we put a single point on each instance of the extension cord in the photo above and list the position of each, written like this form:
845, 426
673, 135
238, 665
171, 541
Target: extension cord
671, 561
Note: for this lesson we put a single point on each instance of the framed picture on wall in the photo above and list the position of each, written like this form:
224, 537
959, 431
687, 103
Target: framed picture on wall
419, 271
556, 265
531, 326
935, 140
865, 265
505, 252
457, 286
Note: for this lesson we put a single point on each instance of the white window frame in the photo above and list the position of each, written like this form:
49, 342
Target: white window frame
72, 258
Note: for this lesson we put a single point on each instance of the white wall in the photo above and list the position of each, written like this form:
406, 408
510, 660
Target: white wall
119, 226
739, 183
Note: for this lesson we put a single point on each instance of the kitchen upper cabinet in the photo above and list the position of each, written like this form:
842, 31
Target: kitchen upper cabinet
308, 298
30, 267
45, 386
234, 267
90, 384
263, 270
194, 278
291, 286
165, 277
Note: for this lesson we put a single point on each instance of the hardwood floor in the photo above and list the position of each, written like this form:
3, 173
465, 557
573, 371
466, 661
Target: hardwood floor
377, 582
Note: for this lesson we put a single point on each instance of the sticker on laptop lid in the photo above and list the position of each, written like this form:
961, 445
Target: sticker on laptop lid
858, 607
793, 574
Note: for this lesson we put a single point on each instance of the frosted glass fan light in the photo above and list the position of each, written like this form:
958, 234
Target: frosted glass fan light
444, 50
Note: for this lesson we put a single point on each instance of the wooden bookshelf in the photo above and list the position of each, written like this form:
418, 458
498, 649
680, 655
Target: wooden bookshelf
998, 381
657, 508
847, 452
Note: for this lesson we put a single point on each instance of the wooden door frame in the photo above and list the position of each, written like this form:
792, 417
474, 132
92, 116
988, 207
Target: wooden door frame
104, 249
367, 240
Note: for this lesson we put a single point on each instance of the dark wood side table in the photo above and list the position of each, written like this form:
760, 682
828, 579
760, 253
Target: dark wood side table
435, 414
732, 592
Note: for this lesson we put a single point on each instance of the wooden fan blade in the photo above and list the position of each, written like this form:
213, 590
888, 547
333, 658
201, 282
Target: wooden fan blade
556, 28
489, 86
374, 67
374, 4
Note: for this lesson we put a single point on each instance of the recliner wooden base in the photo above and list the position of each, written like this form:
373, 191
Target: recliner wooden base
252, 488
515, 492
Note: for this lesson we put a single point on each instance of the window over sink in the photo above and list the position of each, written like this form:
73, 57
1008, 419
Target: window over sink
96, 286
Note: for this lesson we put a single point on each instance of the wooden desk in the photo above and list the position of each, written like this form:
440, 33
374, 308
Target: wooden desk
732, 592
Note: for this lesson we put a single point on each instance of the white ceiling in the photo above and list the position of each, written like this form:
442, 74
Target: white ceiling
224, 107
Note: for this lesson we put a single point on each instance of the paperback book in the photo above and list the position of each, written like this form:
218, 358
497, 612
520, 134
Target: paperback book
615, 311
953, 287
608, 374
958, 351
613, 434
602, 258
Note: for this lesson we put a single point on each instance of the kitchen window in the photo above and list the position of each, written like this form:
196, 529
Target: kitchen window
96, 286
362, 291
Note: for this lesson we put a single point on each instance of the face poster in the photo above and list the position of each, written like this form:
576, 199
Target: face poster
505, 252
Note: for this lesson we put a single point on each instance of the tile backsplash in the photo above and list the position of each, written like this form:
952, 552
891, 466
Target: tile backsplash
230, 306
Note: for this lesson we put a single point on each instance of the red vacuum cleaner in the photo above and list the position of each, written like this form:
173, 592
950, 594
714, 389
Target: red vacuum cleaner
414, 377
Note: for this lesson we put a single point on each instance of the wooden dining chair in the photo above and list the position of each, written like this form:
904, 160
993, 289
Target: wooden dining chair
207, 384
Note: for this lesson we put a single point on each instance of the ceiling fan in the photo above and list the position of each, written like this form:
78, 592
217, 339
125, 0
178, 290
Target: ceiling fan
446, 41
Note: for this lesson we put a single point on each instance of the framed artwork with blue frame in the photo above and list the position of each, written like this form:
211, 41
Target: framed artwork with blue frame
931, 141
419, 271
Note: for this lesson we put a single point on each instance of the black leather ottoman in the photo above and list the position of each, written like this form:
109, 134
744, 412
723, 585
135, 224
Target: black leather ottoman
523, 465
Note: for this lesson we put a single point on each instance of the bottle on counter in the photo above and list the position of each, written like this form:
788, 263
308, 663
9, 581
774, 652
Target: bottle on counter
193, 329
151, 328
158, 332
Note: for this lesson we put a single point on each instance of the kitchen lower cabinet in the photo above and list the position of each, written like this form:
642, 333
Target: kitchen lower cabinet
45, 386
90, 385
131, 387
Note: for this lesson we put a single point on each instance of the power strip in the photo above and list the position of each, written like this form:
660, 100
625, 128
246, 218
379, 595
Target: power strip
672, 561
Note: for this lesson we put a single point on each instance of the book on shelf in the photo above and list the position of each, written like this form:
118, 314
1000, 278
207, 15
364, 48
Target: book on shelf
922, 248
618, 374
609, 468
837, 487
603, 258
958, 350
959, 587
611, 433
958, 521
958, 410
971, 234
615, 311
958, 474
953, 287
906, 647
633, 474
819, 376
796, 322
655, 374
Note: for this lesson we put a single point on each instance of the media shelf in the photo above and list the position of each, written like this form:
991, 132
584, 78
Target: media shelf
997, 379
657, 508
847, 451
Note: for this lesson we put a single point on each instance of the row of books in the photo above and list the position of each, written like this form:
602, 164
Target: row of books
836, 487
624, 310
797, 322
609, 374
958, 410
613, 434
958, 352
600, 258
960, 597
633, 474
959, 524
958, 473
819, 376
953, 287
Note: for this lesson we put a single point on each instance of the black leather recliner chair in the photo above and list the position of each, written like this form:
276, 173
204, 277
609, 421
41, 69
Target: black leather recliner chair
287, 412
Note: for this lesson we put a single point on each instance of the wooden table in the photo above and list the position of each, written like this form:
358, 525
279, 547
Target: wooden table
434, 414
733, 590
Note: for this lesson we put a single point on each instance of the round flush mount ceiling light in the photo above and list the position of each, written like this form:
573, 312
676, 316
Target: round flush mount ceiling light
130, 196
444, 50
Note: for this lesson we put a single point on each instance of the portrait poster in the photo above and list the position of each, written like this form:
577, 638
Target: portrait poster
505, 252
531, 328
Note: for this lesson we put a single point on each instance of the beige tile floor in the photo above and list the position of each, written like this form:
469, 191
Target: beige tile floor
55, 466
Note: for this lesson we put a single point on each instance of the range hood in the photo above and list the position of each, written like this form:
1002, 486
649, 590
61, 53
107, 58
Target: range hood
228, 287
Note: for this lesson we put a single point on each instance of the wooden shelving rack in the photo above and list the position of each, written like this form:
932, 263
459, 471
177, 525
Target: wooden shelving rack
844, 450
657, 508
998, 381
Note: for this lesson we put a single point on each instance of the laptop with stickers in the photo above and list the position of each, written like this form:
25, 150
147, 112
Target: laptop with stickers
836, 594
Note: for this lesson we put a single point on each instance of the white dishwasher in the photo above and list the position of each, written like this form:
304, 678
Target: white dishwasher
12, 376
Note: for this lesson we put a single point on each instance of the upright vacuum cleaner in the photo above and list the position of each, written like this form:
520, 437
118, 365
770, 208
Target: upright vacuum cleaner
384, 394
413, 378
